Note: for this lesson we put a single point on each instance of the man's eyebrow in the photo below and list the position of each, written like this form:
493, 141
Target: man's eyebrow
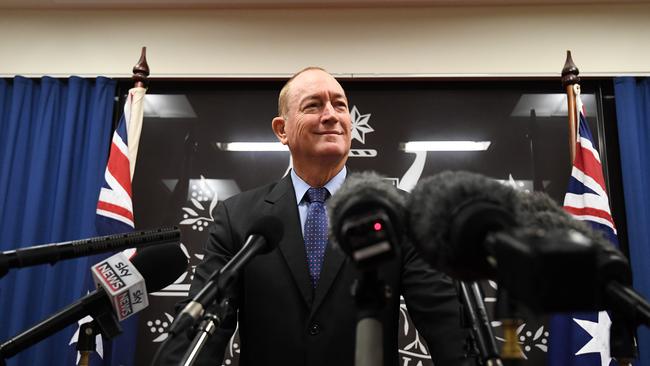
318, 96
339, 95
309, 98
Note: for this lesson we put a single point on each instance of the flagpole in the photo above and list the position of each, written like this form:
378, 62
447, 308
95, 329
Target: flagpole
86, 341
570, 78
622, 346
136, 95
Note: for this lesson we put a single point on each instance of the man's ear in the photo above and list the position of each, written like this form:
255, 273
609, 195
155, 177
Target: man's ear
278, 125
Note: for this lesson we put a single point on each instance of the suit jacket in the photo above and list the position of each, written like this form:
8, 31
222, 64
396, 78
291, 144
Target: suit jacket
283, 321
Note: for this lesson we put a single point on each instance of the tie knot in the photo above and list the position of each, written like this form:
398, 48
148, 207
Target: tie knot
317, 194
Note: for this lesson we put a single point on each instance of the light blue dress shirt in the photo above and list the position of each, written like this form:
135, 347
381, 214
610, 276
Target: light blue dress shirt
300, 187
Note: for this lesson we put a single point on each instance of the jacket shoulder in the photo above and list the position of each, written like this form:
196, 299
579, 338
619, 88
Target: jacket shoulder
268, 192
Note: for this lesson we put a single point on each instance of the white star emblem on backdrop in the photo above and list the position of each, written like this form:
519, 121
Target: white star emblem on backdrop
599, 333
360, 126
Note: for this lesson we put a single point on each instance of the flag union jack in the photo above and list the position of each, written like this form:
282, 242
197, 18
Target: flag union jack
586, 198
115, 207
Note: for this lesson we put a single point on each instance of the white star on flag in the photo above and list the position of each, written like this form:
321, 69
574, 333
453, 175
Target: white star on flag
360, 125
599, 333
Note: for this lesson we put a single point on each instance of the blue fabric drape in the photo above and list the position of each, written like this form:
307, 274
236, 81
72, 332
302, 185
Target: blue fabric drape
633, 115
54, 137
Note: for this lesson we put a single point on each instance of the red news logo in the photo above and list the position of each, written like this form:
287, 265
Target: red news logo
109, 276
124, 306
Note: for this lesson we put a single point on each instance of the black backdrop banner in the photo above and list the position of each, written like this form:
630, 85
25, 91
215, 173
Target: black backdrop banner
183, 169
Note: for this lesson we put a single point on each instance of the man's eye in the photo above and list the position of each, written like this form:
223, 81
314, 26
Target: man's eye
311, 107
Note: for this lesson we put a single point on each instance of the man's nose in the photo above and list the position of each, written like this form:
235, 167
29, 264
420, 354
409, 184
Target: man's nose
329, 113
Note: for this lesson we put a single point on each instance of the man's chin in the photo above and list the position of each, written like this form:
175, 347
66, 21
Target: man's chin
333, 153
338, 149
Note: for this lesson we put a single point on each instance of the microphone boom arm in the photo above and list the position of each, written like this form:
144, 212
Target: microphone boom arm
52, 253
95, 305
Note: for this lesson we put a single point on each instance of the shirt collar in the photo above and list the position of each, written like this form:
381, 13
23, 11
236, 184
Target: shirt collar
300, 187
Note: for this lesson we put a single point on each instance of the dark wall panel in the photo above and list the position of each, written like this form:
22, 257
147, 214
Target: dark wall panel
181, 173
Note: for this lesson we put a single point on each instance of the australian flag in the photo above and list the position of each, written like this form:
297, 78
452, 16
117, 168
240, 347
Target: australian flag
583, 339
115, 215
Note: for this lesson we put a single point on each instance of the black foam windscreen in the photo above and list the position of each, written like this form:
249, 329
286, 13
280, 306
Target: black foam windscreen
362, 192
449, 216
537, 210
160, 265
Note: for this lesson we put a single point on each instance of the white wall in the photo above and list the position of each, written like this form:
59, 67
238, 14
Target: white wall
436, 41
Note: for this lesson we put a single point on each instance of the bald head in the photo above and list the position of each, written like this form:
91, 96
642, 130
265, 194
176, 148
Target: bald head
283, 98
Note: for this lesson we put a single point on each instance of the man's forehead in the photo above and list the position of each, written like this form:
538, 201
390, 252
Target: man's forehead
313, 83
333, 94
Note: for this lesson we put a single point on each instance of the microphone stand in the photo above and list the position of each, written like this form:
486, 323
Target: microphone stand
472, 298
102, 313
507, 311
628, 310
370, 294
622, 347
209, 324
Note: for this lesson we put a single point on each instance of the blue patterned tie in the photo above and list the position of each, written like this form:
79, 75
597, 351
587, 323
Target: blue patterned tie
316, 232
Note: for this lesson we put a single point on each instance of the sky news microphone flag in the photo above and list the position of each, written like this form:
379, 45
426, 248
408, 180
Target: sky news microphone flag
582, 339
115, 215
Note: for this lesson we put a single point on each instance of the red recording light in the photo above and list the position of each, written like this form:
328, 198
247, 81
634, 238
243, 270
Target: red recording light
377, 226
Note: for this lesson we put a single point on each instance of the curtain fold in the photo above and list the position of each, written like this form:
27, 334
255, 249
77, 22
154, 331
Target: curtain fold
633, 115
54, 138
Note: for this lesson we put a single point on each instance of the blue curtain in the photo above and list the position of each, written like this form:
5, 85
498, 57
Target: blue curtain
633, 114
54, 138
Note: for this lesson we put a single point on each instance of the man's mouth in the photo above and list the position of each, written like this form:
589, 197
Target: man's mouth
329, 133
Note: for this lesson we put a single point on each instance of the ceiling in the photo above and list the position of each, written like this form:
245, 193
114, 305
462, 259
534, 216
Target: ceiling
261, 4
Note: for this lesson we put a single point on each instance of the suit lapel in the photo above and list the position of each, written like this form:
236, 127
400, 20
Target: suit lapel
291, 246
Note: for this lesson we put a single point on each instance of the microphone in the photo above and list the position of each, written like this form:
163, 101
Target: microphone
613, 275
263, 236
366, 218
451, 214
472, 228
452, 217
612, 270
539, 211
160, 266
52, 253
123, 284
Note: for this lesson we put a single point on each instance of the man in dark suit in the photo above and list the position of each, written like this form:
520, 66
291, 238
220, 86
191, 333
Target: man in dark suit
294, 304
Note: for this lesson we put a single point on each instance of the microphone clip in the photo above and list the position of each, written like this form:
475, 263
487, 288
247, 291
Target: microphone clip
105, 324
209, 324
